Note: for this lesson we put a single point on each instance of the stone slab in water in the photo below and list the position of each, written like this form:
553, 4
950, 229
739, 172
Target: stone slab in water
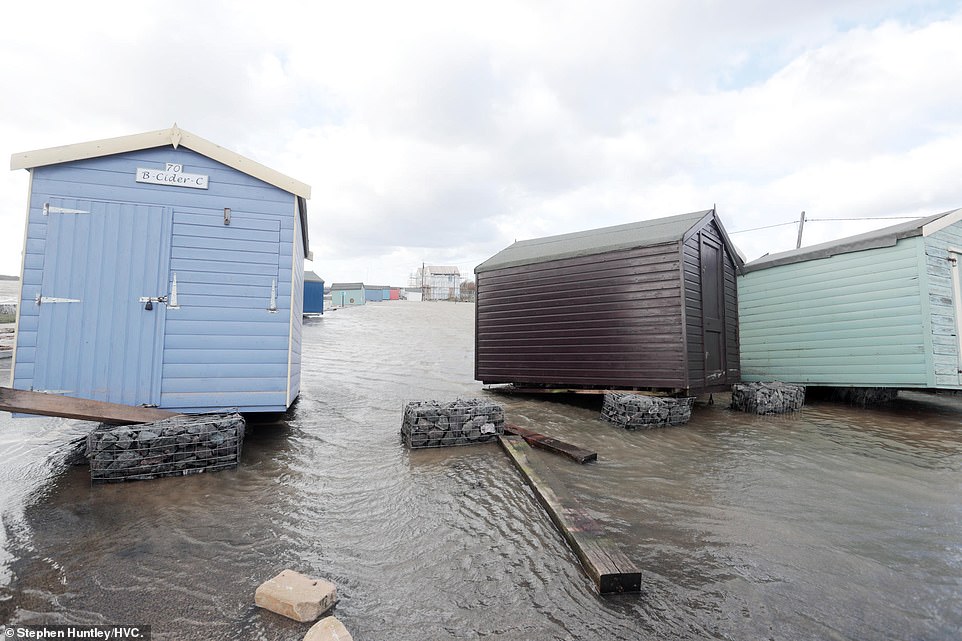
443, 424
634, 411
767, 398
296, 596
328, 629
175, 446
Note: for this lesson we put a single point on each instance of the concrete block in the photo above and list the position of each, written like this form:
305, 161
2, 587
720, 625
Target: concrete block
328, 629
296, 596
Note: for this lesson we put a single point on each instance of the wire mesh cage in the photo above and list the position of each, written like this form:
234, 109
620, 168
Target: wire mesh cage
176, 446
767, 398
634, 411
460, 422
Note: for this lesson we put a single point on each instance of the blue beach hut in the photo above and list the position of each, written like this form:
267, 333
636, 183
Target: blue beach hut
313, 293
373, 293
880, 309
163, 270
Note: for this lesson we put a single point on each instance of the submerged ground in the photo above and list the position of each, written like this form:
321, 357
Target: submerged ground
834, 523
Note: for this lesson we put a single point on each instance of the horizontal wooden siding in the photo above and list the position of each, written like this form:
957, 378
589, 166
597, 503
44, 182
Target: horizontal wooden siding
296, 316
608, 320
943, 326
225, 293
850, 320
223, 348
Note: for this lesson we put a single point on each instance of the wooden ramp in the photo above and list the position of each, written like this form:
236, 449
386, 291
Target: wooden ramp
553, 445
609, 568
25, 402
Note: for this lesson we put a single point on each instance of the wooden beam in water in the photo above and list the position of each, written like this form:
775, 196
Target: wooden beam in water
518, 389
553, 445
609, 568
26, 402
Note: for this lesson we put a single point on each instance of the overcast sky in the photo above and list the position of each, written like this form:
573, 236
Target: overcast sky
443, 131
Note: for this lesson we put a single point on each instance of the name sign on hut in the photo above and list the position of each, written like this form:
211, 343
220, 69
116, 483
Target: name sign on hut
173, 175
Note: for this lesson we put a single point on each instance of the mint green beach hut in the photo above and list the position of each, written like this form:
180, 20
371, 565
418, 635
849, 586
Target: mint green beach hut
881, 309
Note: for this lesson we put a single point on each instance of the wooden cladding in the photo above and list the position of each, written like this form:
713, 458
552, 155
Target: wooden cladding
622, 319
581, 321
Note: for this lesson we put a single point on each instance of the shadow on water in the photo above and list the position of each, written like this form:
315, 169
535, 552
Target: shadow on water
833, 522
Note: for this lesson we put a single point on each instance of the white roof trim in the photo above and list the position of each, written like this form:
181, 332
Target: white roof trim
174, 136
938, 225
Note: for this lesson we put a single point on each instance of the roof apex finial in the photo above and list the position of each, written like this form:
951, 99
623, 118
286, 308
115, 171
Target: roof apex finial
175, 135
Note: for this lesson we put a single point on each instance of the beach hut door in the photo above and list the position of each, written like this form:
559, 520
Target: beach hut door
713, 309
95, 339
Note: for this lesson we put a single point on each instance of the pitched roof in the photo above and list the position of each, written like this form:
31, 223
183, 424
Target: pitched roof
885, 237
311, 276
443, 270
174, 136
598, 241
347, 286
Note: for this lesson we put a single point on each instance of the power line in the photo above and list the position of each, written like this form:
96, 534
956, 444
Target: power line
822, 220
742, 231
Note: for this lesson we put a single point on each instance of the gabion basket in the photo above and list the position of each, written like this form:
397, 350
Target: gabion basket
767, 398
634, 411
176, 446
460, 422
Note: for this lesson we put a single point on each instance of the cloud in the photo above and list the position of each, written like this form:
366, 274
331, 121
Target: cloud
441, 132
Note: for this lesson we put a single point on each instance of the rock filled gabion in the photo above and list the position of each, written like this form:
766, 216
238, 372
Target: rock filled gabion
767, 398
176, 446
460, 422
634, 411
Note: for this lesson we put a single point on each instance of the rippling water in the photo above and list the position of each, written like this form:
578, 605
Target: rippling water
834, 523
9, 289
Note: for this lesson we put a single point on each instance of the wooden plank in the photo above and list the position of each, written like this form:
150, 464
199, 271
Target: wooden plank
553, 445
609, 568
511, 388
25, 402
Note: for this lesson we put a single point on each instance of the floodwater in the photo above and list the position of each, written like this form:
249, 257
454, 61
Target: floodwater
9, 289
834, 523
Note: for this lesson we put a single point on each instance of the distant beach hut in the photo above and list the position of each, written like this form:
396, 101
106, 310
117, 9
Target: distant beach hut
373, 293
346, 294
161, 269
313, 293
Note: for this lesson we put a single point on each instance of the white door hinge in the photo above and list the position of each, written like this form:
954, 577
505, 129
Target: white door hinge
39, 300
49, 209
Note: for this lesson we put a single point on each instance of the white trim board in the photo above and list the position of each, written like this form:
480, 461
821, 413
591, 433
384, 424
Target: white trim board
174, 136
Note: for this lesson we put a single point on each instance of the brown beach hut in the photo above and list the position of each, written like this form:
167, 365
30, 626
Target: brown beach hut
650, 305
